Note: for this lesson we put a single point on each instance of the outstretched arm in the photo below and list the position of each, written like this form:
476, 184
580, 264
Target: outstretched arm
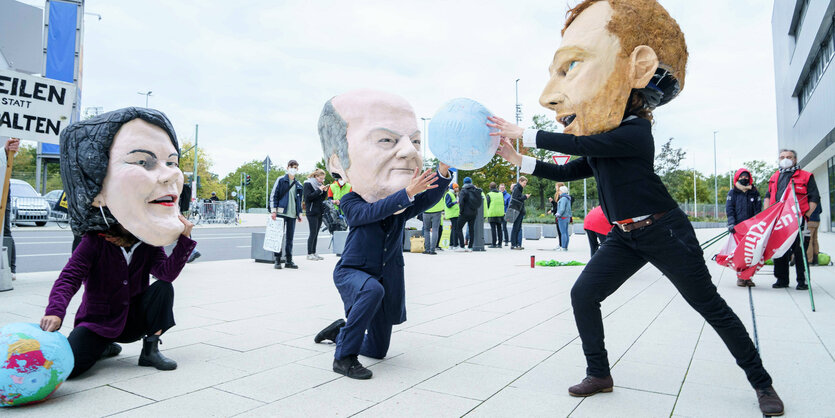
68, 283
359, 212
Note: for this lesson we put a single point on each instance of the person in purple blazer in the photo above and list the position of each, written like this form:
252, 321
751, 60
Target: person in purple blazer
121, 174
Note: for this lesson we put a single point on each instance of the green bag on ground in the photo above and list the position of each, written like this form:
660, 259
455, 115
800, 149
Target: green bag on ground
823, 259
555, 263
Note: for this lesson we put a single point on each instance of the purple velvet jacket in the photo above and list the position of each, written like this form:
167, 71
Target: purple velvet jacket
109, 282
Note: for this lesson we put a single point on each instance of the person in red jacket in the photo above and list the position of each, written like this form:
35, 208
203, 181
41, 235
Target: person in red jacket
597, 227
808, 199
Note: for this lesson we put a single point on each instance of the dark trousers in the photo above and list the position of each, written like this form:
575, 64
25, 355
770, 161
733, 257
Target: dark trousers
289, 231
149, 312
440, 232
496, 232
516, 232
365, 315
470, 222
669, 244
559, 233
456, 236
314, 222
8, 241
504, 228
595, 239
781, 264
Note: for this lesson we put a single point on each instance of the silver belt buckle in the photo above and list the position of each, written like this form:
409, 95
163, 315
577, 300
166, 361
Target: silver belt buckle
622, 227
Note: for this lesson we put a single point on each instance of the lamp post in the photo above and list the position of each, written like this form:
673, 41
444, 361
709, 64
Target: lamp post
715, 181
425, 140
518, 120
146, 94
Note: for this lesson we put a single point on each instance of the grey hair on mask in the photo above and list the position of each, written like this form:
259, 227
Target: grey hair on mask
333, 132
789, 150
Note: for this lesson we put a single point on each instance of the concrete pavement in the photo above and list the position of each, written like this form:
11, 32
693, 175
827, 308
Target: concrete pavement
486, 336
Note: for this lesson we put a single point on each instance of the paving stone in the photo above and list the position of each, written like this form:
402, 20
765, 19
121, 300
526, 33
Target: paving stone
203, 403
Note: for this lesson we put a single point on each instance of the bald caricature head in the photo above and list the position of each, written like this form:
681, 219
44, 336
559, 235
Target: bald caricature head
370, 138
617, 58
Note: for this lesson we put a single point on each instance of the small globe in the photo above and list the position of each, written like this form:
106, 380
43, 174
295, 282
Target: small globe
459, 135
33, 363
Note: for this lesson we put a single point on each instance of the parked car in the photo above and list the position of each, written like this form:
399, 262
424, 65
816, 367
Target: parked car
56, 212
27, 205
52, 197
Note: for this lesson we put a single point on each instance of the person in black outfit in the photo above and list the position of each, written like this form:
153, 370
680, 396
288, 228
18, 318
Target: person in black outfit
517, 201
315, 192
743, 203
469, 201
606, 110
10, 148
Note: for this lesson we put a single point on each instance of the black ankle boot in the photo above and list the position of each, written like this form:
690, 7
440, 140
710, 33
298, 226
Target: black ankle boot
112, 350
151, 357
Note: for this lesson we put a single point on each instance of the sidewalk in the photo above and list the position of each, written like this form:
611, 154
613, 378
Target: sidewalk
486, 336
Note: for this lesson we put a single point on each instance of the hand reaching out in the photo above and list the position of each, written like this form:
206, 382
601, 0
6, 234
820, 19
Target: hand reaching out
507, 151
421, 181
50, 323
505, 128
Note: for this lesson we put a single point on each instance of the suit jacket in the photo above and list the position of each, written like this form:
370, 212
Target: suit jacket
374, 247
621, 160
110, 282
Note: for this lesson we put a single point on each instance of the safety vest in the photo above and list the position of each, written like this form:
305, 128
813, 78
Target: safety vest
801, 182
496, 207
454, 211
438, 207
337, 192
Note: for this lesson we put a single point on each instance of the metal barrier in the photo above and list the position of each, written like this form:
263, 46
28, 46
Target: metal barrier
214, 212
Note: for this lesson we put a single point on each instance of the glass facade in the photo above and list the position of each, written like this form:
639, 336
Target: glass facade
830, 168
818, 67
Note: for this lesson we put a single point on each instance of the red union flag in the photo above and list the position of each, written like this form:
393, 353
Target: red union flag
768, 235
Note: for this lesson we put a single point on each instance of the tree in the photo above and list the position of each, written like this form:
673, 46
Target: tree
761, 171
24, 168
256, 192
669, 159
209, 181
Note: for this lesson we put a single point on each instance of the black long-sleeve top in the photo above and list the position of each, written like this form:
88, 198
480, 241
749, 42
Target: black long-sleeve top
621, 162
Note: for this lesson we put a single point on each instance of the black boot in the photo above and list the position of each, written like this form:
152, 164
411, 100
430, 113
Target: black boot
330, 332
151, 357
351, 367
290, 264
112, 350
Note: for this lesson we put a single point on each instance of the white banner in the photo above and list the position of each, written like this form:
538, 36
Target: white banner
274, 236
34, 108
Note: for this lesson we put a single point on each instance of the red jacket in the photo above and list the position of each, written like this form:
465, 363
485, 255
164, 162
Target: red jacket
801, 181
596, 221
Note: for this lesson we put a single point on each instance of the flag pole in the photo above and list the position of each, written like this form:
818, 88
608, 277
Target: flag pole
800, 237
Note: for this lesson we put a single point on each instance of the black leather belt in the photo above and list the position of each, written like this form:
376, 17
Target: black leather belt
631, 226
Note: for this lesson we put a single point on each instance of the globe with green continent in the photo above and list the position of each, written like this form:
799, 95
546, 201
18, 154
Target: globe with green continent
33, 363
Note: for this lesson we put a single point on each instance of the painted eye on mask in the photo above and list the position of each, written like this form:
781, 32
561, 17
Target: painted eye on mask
571, 66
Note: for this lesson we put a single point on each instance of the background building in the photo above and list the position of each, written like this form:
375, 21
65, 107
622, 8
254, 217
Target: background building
804, 47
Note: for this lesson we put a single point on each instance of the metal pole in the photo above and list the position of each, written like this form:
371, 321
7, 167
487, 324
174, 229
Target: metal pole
194, 176
146, 94
425, 140
800, 237
518, 119
267, 202
585, 203
715, 181
695, 201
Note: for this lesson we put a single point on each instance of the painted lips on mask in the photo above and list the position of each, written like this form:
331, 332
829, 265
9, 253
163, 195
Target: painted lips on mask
167, 200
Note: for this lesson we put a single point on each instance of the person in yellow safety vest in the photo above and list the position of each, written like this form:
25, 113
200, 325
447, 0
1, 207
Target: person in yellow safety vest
338, 189
452, 212
432, 227
495, 214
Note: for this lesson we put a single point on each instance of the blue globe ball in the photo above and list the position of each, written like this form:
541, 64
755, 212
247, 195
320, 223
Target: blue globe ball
459, 135
33, 363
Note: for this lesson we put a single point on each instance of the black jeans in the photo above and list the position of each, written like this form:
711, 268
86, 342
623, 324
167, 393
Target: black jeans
595, 240
670, 245
504, 228
470, 222
149, 312
289, 231
781, 264
314, 222
496, 232
516, 232
456, 236
8, 241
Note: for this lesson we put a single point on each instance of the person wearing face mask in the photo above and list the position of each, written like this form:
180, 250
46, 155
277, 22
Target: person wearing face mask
286, 201
808, 199
338, 189
743, 202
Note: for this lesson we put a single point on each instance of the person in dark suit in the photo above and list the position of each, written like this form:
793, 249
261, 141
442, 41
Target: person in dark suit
388, 189
314, 194
122, 236
606, 78
286, 201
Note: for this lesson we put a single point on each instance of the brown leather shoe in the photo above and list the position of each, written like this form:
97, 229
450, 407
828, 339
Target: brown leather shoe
591, 385
770, 403
741, 283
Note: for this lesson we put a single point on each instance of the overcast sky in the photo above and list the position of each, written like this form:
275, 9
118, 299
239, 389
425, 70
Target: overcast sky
255, 74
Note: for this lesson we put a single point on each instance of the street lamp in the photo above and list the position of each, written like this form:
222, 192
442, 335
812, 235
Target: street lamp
715, 181
425, 140
146, 94
518, 120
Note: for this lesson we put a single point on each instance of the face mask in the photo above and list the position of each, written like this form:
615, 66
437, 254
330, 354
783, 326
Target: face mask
292, 171
340, 182
744, 181
786, 163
